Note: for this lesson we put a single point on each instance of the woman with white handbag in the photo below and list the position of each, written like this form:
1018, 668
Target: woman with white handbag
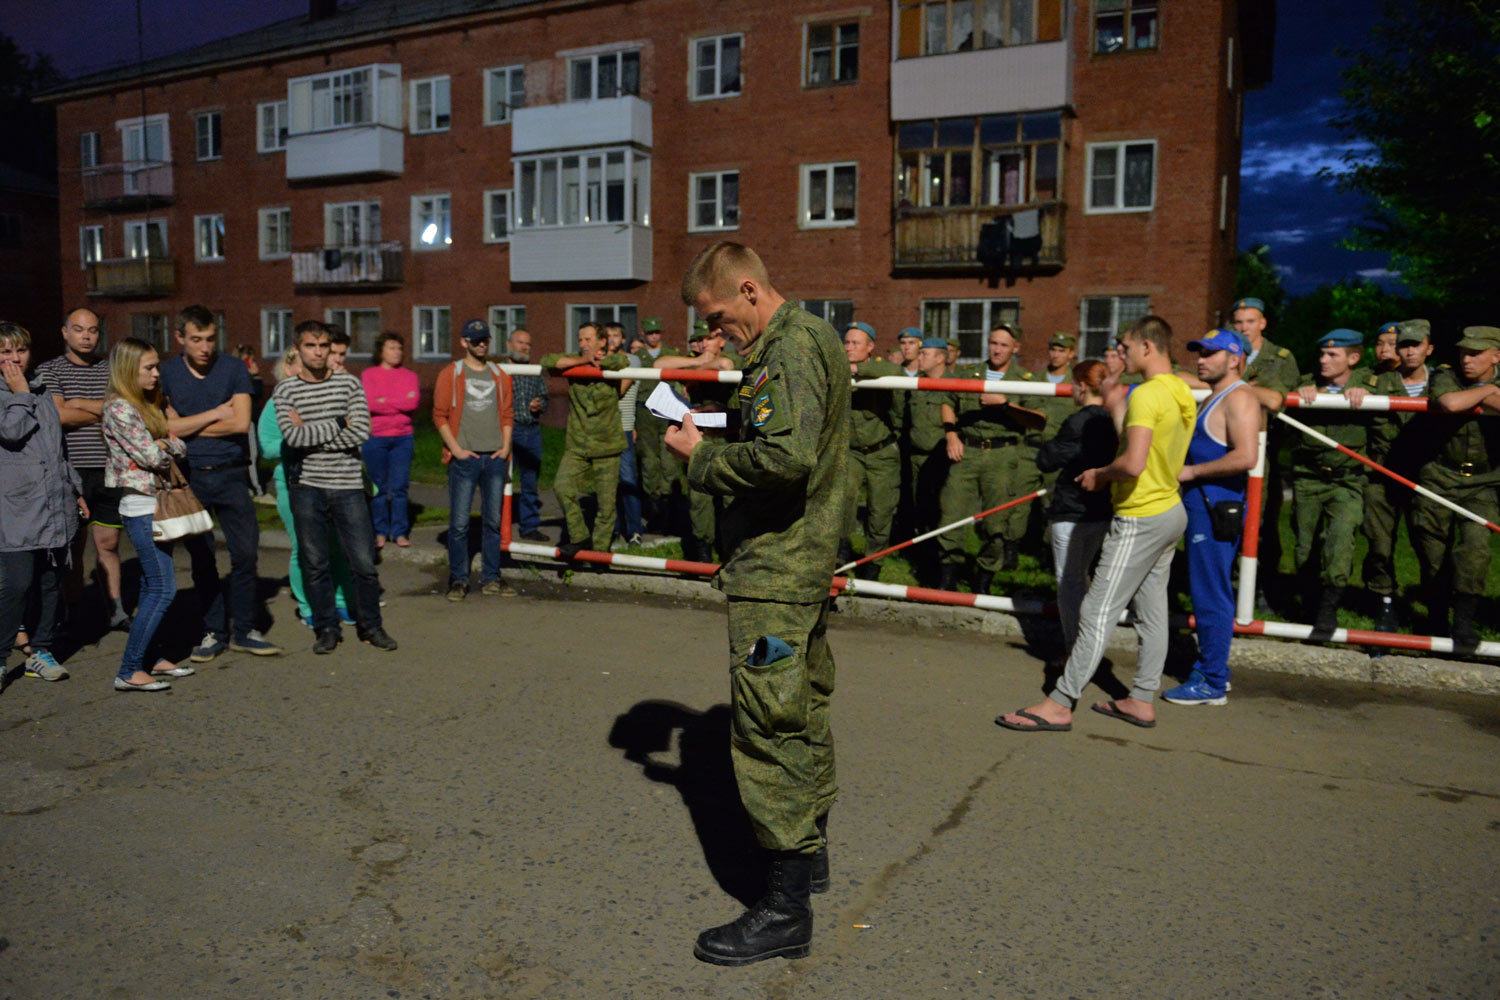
140, 452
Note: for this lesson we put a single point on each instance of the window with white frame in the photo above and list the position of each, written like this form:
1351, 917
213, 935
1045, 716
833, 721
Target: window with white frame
839, 313
275, 233
1122, 176
622, 313
90, 245
362, 326
1102, 318
504, 92
430, 107
275, 331
829, 193
716, 66
1121, 25
832, 54
607, 74
144, 141
934, 27
431, 221
497, 217
146, 238
343, 99
351, 223
150, 327
208, 233
207, 136
581, 189
346, 98
89, 150
969, 321
272, 116
504, 321
715, 201
430, 326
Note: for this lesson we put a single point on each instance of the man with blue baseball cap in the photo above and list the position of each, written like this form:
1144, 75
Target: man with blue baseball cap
1327, 485
874, 451
1223, 448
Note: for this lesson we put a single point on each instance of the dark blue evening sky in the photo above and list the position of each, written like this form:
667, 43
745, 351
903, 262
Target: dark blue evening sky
1283, 201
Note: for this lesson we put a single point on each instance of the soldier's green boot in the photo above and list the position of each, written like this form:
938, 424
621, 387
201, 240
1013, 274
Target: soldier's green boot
780, 924
818, 881
1464, 635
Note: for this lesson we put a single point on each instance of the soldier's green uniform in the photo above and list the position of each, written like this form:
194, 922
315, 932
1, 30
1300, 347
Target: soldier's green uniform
702, 507
784, 487
1328, 489
1057, 409
927, 455
591, 457
997, 466
874, 456
1273, 367
1465, 468
660, 471
1399, 441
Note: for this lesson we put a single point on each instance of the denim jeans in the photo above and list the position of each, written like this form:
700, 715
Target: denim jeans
389, 462
158, 587
226, 494
526, 446
320, 514
628, 503
27, 577
464, 475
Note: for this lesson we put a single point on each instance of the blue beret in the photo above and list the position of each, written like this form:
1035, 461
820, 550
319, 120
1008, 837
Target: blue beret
1391, 327
865, 328
1342, 337
936, 343
909, 333
1250, 304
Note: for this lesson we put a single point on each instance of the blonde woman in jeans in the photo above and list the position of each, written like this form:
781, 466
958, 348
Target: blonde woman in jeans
139, 446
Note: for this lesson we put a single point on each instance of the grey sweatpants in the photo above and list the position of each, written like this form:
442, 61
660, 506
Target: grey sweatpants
1134, 565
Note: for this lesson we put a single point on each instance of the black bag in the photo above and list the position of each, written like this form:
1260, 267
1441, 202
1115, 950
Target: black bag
1228, 517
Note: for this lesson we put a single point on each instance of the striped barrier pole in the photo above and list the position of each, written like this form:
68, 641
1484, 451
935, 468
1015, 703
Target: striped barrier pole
960, 523
1244, 611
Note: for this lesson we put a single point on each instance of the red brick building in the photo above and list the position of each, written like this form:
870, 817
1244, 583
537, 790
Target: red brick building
925, 162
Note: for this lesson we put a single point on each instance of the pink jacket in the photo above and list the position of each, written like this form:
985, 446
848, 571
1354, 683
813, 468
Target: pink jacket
393, 395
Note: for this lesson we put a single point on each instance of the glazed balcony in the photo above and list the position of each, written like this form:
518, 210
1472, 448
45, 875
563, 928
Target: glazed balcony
348, 269
948, 238
132, 278
127, 187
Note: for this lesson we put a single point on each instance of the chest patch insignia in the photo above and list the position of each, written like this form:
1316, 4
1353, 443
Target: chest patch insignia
762, 410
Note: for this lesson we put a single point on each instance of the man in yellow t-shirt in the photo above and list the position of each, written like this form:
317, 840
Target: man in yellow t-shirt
1136, 558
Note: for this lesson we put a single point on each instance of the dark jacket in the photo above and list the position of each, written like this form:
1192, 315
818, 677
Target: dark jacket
1086, 440
38, 488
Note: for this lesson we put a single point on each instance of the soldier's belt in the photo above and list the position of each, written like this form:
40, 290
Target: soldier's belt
984, 444
1467, 469
866, 449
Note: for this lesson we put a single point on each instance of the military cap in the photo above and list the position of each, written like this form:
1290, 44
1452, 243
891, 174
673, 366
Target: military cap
953, 343
1342, 337
864, 328
1218, 340
1256, 304
910, 333
1413, 331
1385, 328
475, 331
1480, 338
700, 331
936, 343
651, 325
1011, 328
1063, 340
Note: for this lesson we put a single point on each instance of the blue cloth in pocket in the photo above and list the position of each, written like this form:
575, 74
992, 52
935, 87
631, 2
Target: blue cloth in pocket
768, 649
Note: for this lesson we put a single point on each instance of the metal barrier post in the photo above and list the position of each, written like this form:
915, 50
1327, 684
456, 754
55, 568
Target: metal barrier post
1244, 609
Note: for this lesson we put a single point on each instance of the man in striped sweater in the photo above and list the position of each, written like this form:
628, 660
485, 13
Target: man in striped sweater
324, 418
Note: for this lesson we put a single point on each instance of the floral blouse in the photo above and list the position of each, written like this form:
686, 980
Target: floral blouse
134, 456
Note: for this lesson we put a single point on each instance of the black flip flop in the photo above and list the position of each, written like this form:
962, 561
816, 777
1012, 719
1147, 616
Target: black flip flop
1041, 724
1112, 710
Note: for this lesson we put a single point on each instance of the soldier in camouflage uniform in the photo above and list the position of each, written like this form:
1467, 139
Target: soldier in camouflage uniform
784, 487
1271, 371
985, 433
1399, 441
660, 472
591, 457
874, 449
1466, 470
706, 352
1387, 336
926, 456
1062, 353
1327, 485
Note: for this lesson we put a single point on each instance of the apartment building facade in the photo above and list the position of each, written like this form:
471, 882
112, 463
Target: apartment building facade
1066, 164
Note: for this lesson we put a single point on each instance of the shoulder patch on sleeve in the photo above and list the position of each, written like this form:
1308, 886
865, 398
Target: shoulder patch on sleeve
762, 409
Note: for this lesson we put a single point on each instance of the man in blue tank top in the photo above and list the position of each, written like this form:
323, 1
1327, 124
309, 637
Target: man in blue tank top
1226, 437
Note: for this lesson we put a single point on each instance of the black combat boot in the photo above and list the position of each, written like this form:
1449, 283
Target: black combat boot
983, 581
1465, 638
846, 554
1385, 619
1011, 557
1328, 609
779, 924
948, 577
819, 879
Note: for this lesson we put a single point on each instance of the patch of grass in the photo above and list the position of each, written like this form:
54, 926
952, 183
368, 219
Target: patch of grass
427, 453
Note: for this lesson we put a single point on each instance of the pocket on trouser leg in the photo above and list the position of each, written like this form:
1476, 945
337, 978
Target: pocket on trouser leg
770, 690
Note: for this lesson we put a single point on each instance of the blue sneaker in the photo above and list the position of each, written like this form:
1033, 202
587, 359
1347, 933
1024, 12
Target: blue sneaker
210, 647
255, 644
1196, 692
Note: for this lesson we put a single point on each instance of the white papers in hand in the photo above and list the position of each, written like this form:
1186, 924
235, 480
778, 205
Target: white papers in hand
666, 404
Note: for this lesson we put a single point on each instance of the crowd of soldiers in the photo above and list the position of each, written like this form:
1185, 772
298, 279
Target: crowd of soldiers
923, 458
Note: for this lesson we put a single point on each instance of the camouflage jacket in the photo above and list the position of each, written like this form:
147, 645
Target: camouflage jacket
977, 421
874, 414
1347, 427
594, 429
1397, 438
783, 475
1463, 441
923, 422
1057, 408
1273, 368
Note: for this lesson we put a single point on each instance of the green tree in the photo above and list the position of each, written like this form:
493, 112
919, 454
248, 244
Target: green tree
1423, 101
1256, 277
30, 128
1354, 305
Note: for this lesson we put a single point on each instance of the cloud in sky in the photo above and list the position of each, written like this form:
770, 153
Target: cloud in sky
1266, 162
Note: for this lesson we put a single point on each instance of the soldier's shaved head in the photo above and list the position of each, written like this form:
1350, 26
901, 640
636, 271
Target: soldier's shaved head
720, 268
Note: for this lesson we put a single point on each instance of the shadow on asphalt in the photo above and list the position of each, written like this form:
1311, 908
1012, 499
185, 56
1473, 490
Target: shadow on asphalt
704, 777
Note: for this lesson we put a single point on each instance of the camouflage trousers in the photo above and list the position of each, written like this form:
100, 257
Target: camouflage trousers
1437, 531
701, 517
988, 477
1386, 502
877, 474
578, 477
780, 735
1326, 511
660, 470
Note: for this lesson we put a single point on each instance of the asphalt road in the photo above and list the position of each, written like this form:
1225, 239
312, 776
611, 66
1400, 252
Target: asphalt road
531, 800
